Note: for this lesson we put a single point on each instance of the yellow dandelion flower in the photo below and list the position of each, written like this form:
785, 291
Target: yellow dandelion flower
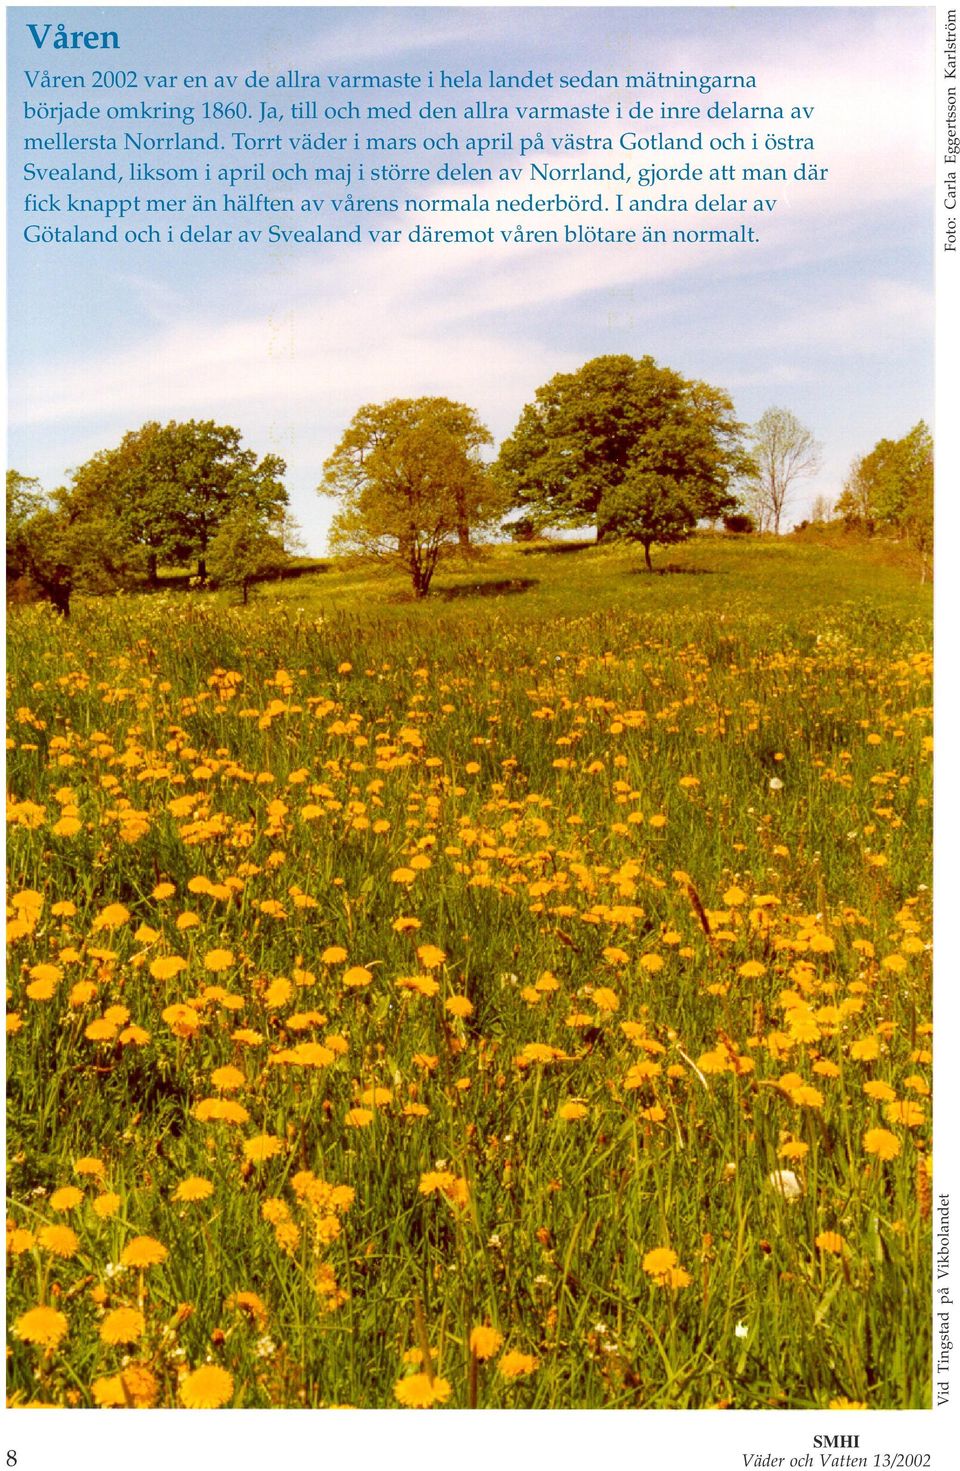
485, 1341
182, 1020
111, 918
358, 1118
59, 1241
137, 1035
249, 1303
422, 985
262, 1147
287, 1235
106, 1205
19, 1240
247, 1036
220, 1110
572, 1110
278, 993
908, 1113
227, 1079
43, 1326
513, 1364
357, 976
67, 1198
217, 960
882, 1143
123, 1325
830, 1241
420, 1392
752, 970
88, 1164
194, 1187
657, 1263
138, 1384
431, 956
167, 966
207, 1388
459, 1006
100, 1031
40, 990
879, 1090
107, 1392
539, 1052
640, 1073
143, 1251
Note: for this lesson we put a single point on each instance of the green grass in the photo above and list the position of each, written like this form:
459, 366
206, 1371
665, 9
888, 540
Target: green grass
585, 768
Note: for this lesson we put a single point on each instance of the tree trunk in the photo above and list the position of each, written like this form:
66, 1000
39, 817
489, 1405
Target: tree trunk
59, 595
202, 568
246, 591
646, 556
152, 569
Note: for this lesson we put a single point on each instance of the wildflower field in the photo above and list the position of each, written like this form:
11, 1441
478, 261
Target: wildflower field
514, 1001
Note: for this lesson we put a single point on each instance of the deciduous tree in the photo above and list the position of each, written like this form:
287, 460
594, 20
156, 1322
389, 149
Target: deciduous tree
54, 550
604, 444
170, 486
891, 489
783, 451
247, 548
412, 486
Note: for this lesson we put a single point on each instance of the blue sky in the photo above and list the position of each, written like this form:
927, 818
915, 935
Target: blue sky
831, 315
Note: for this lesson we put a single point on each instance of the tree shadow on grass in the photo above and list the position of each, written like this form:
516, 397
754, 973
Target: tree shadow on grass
671, 570
556, 548
502, 588
187, 581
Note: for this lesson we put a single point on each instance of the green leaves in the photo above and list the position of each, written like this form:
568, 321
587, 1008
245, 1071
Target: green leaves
170, 486
412, 486
636, 448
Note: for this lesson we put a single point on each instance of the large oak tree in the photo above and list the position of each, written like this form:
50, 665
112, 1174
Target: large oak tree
170, 486
633, 448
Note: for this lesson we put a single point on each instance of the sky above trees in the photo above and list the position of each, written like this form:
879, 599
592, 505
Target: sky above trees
830, 315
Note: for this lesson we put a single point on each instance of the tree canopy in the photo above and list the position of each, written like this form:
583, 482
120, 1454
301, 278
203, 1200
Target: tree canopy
411, 483
891, 489
54, 551
247, 548
783, 451
170, 486
627, 445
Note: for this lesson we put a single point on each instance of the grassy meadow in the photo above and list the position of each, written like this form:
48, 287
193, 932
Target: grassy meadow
518, 999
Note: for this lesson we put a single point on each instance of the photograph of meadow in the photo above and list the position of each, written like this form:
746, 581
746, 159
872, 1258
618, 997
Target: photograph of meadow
471, 948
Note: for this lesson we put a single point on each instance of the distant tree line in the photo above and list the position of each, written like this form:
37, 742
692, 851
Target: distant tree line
890, 490
623, 445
